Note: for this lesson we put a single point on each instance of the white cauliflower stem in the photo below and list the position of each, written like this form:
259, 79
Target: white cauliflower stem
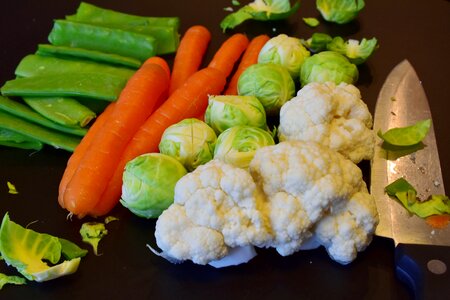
332, 115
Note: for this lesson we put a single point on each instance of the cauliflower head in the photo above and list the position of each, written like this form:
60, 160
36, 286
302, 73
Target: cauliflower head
219, 202
302, 181
332, 115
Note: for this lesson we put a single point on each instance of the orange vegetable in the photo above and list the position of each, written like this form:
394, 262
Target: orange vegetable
189, 55
249, 58
188, 101
438, 221
229, 53
136, 102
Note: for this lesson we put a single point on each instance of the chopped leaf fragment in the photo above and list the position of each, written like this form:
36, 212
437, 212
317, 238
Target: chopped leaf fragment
109, 219
4, 279
92, 233
312, 22
11, 188
406, 136
235, 2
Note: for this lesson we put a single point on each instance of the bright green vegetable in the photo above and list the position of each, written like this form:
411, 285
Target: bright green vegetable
311, 22
104, 39
260, 10
237, 145
38, 65
91, 85
407, 195
317, 42
13, 139
270, 83
92, 233
190, 141
224, 112
286, 51
70, 250
23, 111
149, 182
29, 252
11, 188
62, 110
357, 52
163, 29
40, 133
80, 53
339, 11
4, 279
406, 136
328, 66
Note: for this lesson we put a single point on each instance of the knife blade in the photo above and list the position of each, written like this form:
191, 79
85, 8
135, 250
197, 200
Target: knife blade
422, 253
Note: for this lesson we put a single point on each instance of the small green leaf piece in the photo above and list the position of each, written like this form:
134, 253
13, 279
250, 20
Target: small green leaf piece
92, 233
311, 22
406, 136
4, 279
11, 188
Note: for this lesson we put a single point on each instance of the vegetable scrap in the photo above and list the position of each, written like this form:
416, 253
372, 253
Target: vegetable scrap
311, 22
8, 279
92, 233
406, 136
11, 188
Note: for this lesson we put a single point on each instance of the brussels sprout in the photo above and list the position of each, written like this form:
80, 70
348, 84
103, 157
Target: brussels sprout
224, 112
286, 51
328, 66
237, 145
148, 183
317, 42
261, 10
357, 52
270, 83
339, 11
190, 141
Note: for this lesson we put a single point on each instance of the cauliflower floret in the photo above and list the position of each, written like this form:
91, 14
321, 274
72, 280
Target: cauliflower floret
349, 229
301, 180
330, 114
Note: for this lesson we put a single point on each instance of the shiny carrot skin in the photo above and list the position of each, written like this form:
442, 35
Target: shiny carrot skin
229, 53
188, 101
249, 58
189, 55
135, 104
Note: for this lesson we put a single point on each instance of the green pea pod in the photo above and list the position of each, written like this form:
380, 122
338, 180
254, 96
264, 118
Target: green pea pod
104, 39
63, 110
13, 139
163, 29
40, 133
23, 111
80, 53
37, 65
91, 85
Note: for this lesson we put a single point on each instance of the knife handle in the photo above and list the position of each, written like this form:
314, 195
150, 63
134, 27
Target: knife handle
425, 269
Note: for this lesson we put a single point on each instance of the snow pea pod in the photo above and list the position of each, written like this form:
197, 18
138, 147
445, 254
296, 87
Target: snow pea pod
40, 133
13, 139
37, 65
104, 39
63, 110
23, 111
80, 53
91, 85
163, 29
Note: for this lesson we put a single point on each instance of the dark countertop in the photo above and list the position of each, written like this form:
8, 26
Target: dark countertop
415, 30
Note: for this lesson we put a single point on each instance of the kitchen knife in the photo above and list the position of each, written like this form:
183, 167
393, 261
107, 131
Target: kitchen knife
422, 253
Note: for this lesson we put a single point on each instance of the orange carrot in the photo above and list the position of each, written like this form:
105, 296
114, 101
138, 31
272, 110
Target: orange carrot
229, 53
249, 58
189, 55
438, 221
77, 155
135, 104
186, 102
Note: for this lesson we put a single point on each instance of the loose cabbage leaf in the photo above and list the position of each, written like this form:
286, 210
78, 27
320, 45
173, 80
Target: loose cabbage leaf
406, 136
407, 195
4, 279
356, 51
92, 233
29, 251
317, 42
260, 10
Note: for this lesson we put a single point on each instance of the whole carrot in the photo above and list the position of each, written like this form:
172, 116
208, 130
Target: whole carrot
95, 169
187, 101
249, 58
189, 55
229, 53
80, 150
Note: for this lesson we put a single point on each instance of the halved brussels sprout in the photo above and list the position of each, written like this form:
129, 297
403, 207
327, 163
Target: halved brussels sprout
270, 83
339, 11
357, 52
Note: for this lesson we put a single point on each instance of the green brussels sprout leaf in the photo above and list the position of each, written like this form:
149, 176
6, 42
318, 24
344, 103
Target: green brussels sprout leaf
406, 136
92, 233
357, 52
4, 279
311, 22
317, 42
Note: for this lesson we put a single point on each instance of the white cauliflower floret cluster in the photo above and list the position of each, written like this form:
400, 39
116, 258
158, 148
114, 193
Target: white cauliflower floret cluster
332, 115
293, 191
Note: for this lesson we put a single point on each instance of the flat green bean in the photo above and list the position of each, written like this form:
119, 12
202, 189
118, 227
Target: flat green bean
91, 85
25, 112
101, 38
13, 139
101, 57
45, 135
